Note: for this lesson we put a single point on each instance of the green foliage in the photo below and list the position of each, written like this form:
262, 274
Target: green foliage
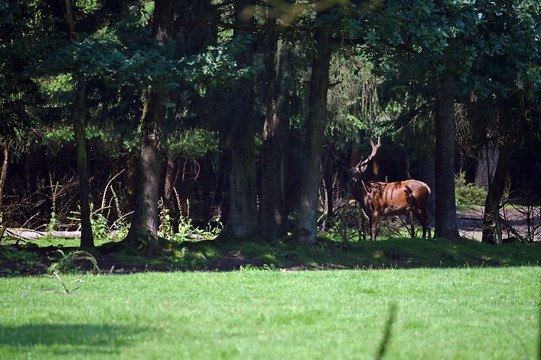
345, 226
165, 228
101, 230
467, 193
18, 57
100, 226
216, 66
53, 222
488, 46
193, 143
184, 257
265, 267
354, 101
68, 262
188, 232
15, 262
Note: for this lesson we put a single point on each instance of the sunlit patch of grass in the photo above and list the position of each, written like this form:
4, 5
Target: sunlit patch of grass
440, 314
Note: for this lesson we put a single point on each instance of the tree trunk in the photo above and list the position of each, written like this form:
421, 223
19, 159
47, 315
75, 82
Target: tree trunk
169, 182
328, 178
242, 221
446, 224
144, 225
3, 176
306, 224
78, 118
492, 232
272, 208
487, 115
486, 163
143, 233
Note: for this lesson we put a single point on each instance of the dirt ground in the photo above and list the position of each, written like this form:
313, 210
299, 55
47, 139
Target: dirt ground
470, 221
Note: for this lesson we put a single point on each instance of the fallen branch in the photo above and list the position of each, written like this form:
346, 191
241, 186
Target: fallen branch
66, 290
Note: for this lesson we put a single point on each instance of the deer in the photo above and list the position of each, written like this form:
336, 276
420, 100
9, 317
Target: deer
389, 199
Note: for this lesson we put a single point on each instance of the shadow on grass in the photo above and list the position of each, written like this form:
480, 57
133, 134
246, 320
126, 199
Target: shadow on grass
66, 339
285, 253
393, 253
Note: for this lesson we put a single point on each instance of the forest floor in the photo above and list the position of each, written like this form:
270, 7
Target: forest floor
470, 222
28, 258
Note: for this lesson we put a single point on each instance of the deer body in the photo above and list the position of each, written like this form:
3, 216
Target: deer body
389, 199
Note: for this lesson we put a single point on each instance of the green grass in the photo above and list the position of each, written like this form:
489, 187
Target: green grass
326, 253
466, 313
391, 253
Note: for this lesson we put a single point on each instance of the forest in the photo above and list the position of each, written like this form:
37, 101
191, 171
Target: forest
246, 117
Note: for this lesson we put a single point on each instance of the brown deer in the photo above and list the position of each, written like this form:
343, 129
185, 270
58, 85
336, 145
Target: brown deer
389, 199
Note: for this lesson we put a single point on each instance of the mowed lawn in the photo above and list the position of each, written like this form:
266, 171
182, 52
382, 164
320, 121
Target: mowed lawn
464, 313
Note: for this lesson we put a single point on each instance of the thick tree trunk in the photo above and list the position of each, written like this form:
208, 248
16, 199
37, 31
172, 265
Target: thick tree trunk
143, 231
306, 224
272, 208
144, 226
242, 221
446, 224
79, 124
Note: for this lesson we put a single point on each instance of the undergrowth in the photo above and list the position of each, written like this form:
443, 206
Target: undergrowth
329, 252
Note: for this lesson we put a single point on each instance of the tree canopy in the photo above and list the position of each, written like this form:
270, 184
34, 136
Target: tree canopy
260, 97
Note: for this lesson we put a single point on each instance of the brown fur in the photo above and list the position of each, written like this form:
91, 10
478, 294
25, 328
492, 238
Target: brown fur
390, 199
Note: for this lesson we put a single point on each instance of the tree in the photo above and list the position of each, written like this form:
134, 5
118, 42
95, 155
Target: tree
3, 174
510, 69
435, 45
446, 224
79, 120
306, 223
144, 226
18, 91
272, 208
242, 217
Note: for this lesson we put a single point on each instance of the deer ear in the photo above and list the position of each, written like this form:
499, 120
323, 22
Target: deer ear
363, 168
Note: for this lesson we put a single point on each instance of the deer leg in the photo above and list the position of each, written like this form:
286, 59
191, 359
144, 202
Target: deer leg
362, 228
426, 225
412, 225
373, 227
420, 214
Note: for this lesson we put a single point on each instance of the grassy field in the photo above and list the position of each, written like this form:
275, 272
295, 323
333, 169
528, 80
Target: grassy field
453, 313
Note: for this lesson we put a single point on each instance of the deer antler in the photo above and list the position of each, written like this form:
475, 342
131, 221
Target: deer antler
361, 166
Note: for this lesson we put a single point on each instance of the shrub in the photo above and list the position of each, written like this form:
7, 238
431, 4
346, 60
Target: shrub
468, 194
69, 262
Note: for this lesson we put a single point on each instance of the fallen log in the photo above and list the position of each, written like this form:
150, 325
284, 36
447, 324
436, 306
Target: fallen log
28, 234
